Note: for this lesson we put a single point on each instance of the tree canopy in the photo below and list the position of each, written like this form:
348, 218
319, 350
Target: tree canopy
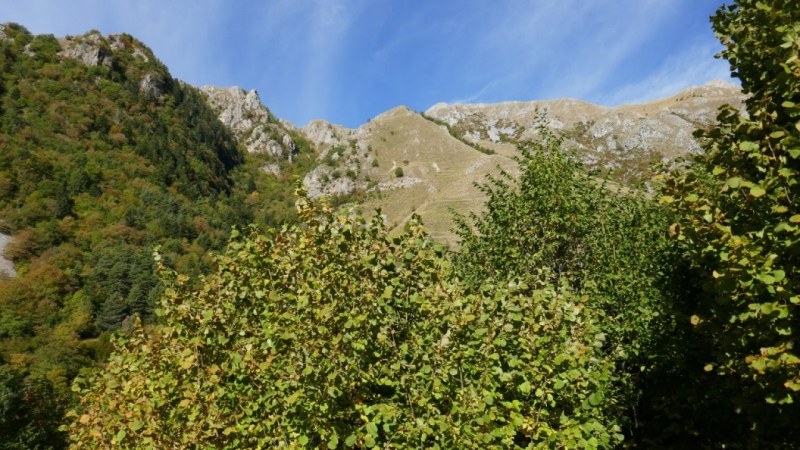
332, 333
740, 223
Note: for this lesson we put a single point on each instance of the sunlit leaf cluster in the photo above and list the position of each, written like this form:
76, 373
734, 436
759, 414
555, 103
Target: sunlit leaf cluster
740, 221
333, 334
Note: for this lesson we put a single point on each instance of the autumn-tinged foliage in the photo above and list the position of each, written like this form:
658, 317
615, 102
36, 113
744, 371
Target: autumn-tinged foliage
577, 313
333, 334
96, 168
740, 223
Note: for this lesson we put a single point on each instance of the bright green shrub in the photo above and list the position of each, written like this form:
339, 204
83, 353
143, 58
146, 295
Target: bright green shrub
558, 224
332, 334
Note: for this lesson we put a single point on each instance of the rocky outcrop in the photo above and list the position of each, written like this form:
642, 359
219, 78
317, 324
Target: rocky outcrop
153, 84
94, 49
319, 183
91, 50
345, 157
6, 266
626, 139
322, 133
250, 121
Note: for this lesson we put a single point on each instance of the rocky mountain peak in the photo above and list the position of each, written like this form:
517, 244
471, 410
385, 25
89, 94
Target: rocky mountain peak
93, 49
625, 139
252, 123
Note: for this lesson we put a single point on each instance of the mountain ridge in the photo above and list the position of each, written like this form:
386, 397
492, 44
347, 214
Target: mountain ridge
397, 157
626, 141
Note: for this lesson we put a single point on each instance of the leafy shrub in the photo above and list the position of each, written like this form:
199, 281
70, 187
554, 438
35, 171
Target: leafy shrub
334, 334
556, 224
398, 172
739, 224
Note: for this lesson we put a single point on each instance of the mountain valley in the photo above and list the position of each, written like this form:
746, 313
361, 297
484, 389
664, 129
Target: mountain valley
116, 177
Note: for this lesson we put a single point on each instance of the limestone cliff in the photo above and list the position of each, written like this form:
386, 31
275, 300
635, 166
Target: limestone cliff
252, 123
626, 139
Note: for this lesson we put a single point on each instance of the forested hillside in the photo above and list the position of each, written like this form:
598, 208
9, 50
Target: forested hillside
104, 156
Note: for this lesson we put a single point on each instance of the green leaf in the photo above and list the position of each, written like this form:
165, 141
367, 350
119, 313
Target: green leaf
757, 191
333, 442
748, 146
777, 134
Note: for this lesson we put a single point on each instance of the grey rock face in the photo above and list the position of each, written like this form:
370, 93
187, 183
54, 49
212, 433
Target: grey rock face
318, 184
6, 266
91, 50
324, 133
152, 84
626, 138
250, 121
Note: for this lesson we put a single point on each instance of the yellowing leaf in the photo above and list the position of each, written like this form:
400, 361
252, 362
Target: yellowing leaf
757, 191
674, 229
293, 398
186, 363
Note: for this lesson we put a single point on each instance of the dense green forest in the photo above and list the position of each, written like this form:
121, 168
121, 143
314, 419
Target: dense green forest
575, 313
98, 167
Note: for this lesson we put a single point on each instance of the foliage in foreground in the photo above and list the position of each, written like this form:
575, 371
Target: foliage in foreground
558, 224
333, 334
740, 223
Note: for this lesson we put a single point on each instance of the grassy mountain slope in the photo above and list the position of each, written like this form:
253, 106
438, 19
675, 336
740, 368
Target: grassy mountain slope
442, 156
444, 151
407, 163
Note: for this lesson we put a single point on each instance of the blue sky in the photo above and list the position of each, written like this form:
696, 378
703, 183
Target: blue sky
348, 60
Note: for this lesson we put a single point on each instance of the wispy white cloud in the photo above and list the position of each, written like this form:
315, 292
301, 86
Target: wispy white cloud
345, 60
476, 96
694, 66
610, 45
